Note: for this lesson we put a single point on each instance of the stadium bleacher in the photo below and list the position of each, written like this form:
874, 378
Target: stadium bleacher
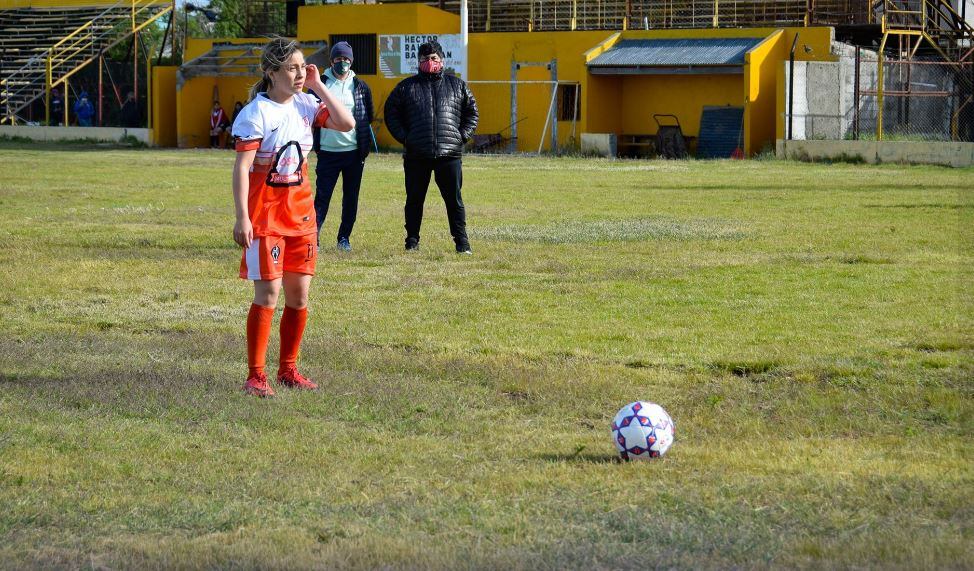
37, 41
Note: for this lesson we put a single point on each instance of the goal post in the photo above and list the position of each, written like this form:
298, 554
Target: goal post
524, 115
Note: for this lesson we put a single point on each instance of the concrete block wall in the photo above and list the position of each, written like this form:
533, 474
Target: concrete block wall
825, 103
106, 134
599, 144
875, 152
824, 106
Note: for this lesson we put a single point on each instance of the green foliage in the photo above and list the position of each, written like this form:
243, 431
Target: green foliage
803, 323
232, 22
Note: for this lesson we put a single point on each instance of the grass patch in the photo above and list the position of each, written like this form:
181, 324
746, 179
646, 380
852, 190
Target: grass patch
640, 229
804, 325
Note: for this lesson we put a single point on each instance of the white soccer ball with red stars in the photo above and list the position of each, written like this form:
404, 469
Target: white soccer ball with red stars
642, 430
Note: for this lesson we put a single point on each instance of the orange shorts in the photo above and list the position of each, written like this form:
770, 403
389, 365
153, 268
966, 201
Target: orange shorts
268, 257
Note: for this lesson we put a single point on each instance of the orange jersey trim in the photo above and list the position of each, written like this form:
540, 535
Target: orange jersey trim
322, 115
251, 145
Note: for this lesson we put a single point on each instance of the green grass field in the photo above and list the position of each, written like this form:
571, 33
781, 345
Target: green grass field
808, 327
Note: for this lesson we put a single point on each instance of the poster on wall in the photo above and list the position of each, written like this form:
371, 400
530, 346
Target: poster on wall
398, 54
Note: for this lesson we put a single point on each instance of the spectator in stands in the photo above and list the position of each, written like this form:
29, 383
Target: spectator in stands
343, 152
130, 115
84, 110
218, 126
433, 115
57, 107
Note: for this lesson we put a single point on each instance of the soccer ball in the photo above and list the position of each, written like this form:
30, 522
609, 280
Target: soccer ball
642, 430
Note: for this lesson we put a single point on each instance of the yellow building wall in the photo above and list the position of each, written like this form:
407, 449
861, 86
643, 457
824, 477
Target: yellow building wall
682, 95
609, 104
318, 23
601, 99
490, 57
194, 98
164, 106
761, 80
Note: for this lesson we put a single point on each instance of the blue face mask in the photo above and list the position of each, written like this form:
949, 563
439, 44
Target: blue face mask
341, 67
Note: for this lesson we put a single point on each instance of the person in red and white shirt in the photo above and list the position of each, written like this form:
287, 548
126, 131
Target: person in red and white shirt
218, 125
275, 215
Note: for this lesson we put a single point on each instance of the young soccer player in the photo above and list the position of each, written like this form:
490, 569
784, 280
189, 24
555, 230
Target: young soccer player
274, 203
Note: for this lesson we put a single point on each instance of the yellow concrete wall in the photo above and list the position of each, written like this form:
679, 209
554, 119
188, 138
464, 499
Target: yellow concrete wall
601, 101
194, 98
318, 23
164, 106
490, 60
814, 44
613, 104
760, 83
682, 95
624, 104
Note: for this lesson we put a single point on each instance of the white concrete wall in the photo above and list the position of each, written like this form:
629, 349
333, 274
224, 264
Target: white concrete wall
111, 134
959, 6
600, 144
874, 152
824, 106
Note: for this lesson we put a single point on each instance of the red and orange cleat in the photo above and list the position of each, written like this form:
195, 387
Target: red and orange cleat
257, 385
290, 377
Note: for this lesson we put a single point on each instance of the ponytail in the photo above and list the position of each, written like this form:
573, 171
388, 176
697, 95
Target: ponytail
261, 86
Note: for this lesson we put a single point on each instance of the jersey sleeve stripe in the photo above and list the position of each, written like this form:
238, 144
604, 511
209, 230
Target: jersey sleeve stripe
251, 145
321, 116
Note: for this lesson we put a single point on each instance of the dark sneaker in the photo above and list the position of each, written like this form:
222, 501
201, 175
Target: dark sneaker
344, 245
464, 249
257, 385
412, 244
290, 377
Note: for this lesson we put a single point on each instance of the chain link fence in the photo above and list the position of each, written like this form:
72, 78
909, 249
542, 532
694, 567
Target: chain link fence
920, 100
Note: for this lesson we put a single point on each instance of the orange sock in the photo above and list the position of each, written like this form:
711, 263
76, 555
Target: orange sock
258, 332
292, 329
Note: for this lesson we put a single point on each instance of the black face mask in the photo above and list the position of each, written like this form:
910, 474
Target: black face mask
340, 68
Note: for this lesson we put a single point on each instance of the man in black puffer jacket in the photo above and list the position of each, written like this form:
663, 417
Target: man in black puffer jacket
433, 115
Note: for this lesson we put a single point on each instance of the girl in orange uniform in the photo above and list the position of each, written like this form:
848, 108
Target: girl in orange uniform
275, 206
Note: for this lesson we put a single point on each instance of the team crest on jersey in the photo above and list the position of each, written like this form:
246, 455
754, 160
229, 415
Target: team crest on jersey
275, 253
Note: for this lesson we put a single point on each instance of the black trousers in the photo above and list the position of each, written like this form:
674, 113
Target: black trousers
448, 174
330, 165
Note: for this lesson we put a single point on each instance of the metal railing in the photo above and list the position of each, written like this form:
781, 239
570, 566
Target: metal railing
79, 47
552, 15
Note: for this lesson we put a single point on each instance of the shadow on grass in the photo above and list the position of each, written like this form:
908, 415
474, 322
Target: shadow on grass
581, 458
137, 392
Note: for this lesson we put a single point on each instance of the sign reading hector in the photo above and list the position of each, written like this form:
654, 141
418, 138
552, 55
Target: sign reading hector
398, 54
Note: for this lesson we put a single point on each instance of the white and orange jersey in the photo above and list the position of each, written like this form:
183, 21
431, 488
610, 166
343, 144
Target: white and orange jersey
280, 200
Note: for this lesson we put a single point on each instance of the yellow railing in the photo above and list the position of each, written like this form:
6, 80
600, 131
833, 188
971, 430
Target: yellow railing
929, 16
66, 53
926, 20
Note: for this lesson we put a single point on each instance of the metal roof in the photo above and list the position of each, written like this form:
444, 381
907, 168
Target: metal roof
674, 56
